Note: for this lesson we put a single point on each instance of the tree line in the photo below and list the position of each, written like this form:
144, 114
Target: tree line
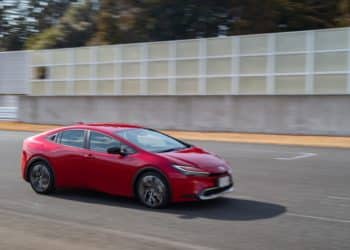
41, 24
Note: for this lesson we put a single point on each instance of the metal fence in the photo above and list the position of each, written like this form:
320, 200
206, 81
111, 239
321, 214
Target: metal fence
291, 63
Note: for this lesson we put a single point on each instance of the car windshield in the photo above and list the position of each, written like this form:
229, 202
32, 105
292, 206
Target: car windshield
151, 140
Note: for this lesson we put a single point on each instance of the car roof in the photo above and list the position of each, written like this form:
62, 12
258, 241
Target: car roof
108, 127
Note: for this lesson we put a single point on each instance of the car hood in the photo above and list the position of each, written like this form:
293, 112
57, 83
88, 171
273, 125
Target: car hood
199, 158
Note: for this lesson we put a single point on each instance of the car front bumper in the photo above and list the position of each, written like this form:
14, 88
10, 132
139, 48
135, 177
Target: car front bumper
214, 192
191, 188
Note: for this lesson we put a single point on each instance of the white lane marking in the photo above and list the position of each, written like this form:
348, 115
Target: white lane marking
339, 198
129, 235
318, 218
301, 155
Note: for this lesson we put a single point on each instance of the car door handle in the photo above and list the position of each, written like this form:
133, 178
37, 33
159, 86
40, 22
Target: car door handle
88, 156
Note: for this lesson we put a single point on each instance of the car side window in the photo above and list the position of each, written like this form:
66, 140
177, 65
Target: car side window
101, 143
52, 138
73, 138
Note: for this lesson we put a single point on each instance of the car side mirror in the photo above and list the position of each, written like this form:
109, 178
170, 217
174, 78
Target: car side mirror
114, 150
117, 150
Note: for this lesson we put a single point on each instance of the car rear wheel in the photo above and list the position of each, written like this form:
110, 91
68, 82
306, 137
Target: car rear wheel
41, 178
152, 190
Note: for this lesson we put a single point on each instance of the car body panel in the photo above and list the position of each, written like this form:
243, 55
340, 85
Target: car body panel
199, 158
116, 174
112, 174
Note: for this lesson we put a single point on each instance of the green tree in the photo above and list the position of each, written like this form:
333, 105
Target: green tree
75, 28
261, 16
166, 19
343, 17
44, 14
3, 26
13, 26
23, 18
63, 23
107, 29
117, 22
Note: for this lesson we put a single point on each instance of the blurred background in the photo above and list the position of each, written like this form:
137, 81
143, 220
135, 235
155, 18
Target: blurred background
38, 24
247, 66
273, 66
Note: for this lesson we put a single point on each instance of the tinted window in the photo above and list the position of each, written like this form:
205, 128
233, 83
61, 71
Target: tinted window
152, 140
52, 137
100, 142
74, 138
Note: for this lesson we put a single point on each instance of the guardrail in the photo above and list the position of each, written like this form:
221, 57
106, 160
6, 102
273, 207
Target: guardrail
8, 113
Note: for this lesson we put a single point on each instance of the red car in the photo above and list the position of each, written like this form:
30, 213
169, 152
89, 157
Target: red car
124, 160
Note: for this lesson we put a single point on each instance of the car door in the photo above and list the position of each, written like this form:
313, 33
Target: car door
110, 173
70, 158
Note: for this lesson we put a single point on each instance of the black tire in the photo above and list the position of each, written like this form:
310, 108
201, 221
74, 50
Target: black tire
41, 178
152, 190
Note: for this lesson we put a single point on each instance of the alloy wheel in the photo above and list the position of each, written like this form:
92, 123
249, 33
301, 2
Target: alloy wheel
40, 178
152, 191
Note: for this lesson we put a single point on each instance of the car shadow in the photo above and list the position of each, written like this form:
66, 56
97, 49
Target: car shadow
224, 208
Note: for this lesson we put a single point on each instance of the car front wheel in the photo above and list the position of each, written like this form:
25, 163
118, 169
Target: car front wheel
41, 178
152, 190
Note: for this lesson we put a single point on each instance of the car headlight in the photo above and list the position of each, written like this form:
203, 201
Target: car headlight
189, 170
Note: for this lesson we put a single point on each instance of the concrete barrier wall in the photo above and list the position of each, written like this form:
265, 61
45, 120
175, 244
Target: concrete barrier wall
328, 115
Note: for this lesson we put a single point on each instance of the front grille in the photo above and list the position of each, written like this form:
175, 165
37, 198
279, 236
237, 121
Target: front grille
214, 191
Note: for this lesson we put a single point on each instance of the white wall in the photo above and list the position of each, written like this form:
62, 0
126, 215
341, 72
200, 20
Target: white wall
291, 63
305, 62
14, 72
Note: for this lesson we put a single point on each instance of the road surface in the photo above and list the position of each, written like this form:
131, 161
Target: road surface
286, 198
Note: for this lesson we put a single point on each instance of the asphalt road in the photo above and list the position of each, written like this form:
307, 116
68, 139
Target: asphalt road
286, 198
